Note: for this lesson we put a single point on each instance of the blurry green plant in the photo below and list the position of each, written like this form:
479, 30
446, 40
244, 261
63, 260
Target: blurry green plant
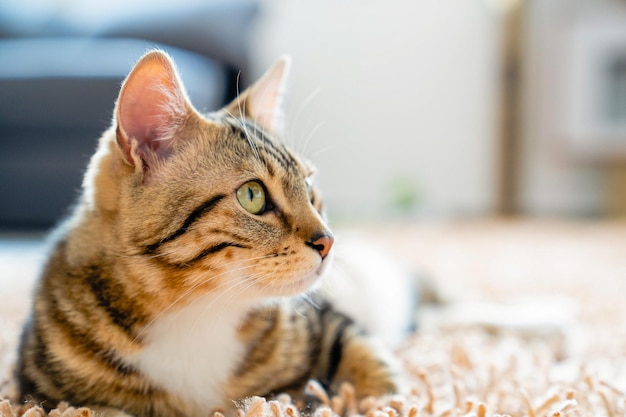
404, 194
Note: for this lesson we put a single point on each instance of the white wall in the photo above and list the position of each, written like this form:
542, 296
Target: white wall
390, 90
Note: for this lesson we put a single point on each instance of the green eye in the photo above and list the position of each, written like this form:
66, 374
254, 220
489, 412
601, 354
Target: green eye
309, 185
251, 196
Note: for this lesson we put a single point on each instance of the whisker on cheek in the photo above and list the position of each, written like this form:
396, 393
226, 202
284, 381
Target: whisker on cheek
239, 285
190, 290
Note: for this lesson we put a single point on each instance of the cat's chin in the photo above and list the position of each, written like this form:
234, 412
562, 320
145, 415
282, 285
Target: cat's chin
290, 287
305, 283
301, 284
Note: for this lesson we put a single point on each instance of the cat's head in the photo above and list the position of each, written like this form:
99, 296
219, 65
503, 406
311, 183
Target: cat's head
207, 203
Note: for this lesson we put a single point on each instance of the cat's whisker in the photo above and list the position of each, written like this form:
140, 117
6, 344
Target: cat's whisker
252, 281
228, 270
322, 150
242, 261
220, 294
162, 254
307, 296
242, 285
311, 135
292, 283
244, 127
283, 283
189, 291
295, 309
249, 281
339, 278
126, 255
257, 125
294, 121
142, 254
242, 121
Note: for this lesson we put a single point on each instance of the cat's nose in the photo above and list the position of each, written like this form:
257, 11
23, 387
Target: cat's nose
322, 244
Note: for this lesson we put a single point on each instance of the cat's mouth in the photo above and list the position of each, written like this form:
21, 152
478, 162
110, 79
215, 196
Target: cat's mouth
309, 280
323, 266
305, 283
302, 282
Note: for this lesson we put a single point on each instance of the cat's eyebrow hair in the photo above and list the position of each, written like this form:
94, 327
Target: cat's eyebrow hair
198, 212
261, 136
265, 145
287, 163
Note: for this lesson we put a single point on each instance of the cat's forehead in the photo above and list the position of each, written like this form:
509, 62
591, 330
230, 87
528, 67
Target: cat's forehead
253, 146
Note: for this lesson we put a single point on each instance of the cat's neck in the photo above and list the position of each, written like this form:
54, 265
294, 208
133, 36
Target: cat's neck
191, 351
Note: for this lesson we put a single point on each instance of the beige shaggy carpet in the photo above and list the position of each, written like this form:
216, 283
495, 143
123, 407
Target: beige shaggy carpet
537, 325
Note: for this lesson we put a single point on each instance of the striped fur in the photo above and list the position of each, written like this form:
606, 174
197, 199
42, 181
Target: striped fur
161, 295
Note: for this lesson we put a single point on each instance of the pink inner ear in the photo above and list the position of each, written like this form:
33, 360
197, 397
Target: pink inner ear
150, 108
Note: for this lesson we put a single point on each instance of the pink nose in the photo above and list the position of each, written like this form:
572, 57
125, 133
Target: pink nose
322, 244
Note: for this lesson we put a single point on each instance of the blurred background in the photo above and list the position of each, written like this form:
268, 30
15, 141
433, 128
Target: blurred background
430, 109
483, 142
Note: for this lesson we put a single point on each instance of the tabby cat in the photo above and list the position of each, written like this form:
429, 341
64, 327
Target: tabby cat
185, 277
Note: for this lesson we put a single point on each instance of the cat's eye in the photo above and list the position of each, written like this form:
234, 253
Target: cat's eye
251, 196
310, 190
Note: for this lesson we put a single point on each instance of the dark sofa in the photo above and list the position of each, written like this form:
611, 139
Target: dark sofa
60, 72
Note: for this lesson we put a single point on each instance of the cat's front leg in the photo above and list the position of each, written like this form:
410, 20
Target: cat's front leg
370, 368
353, 356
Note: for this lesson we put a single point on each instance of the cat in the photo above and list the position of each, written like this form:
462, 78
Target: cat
189, 274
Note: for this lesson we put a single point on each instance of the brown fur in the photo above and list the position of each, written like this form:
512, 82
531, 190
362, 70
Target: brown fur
158, 227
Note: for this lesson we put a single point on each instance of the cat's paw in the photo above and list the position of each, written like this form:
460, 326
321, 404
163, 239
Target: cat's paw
370, 368
314, 395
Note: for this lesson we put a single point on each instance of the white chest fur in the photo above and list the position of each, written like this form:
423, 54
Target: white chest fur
191, 352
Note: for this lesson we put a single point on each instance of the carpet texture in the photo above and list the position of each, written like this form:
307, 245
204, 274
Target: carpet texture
536, 325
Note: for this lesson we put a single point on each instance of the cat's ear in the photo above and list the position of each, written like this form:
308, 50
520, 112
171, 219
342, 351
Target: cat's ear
263, 101
151, 107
